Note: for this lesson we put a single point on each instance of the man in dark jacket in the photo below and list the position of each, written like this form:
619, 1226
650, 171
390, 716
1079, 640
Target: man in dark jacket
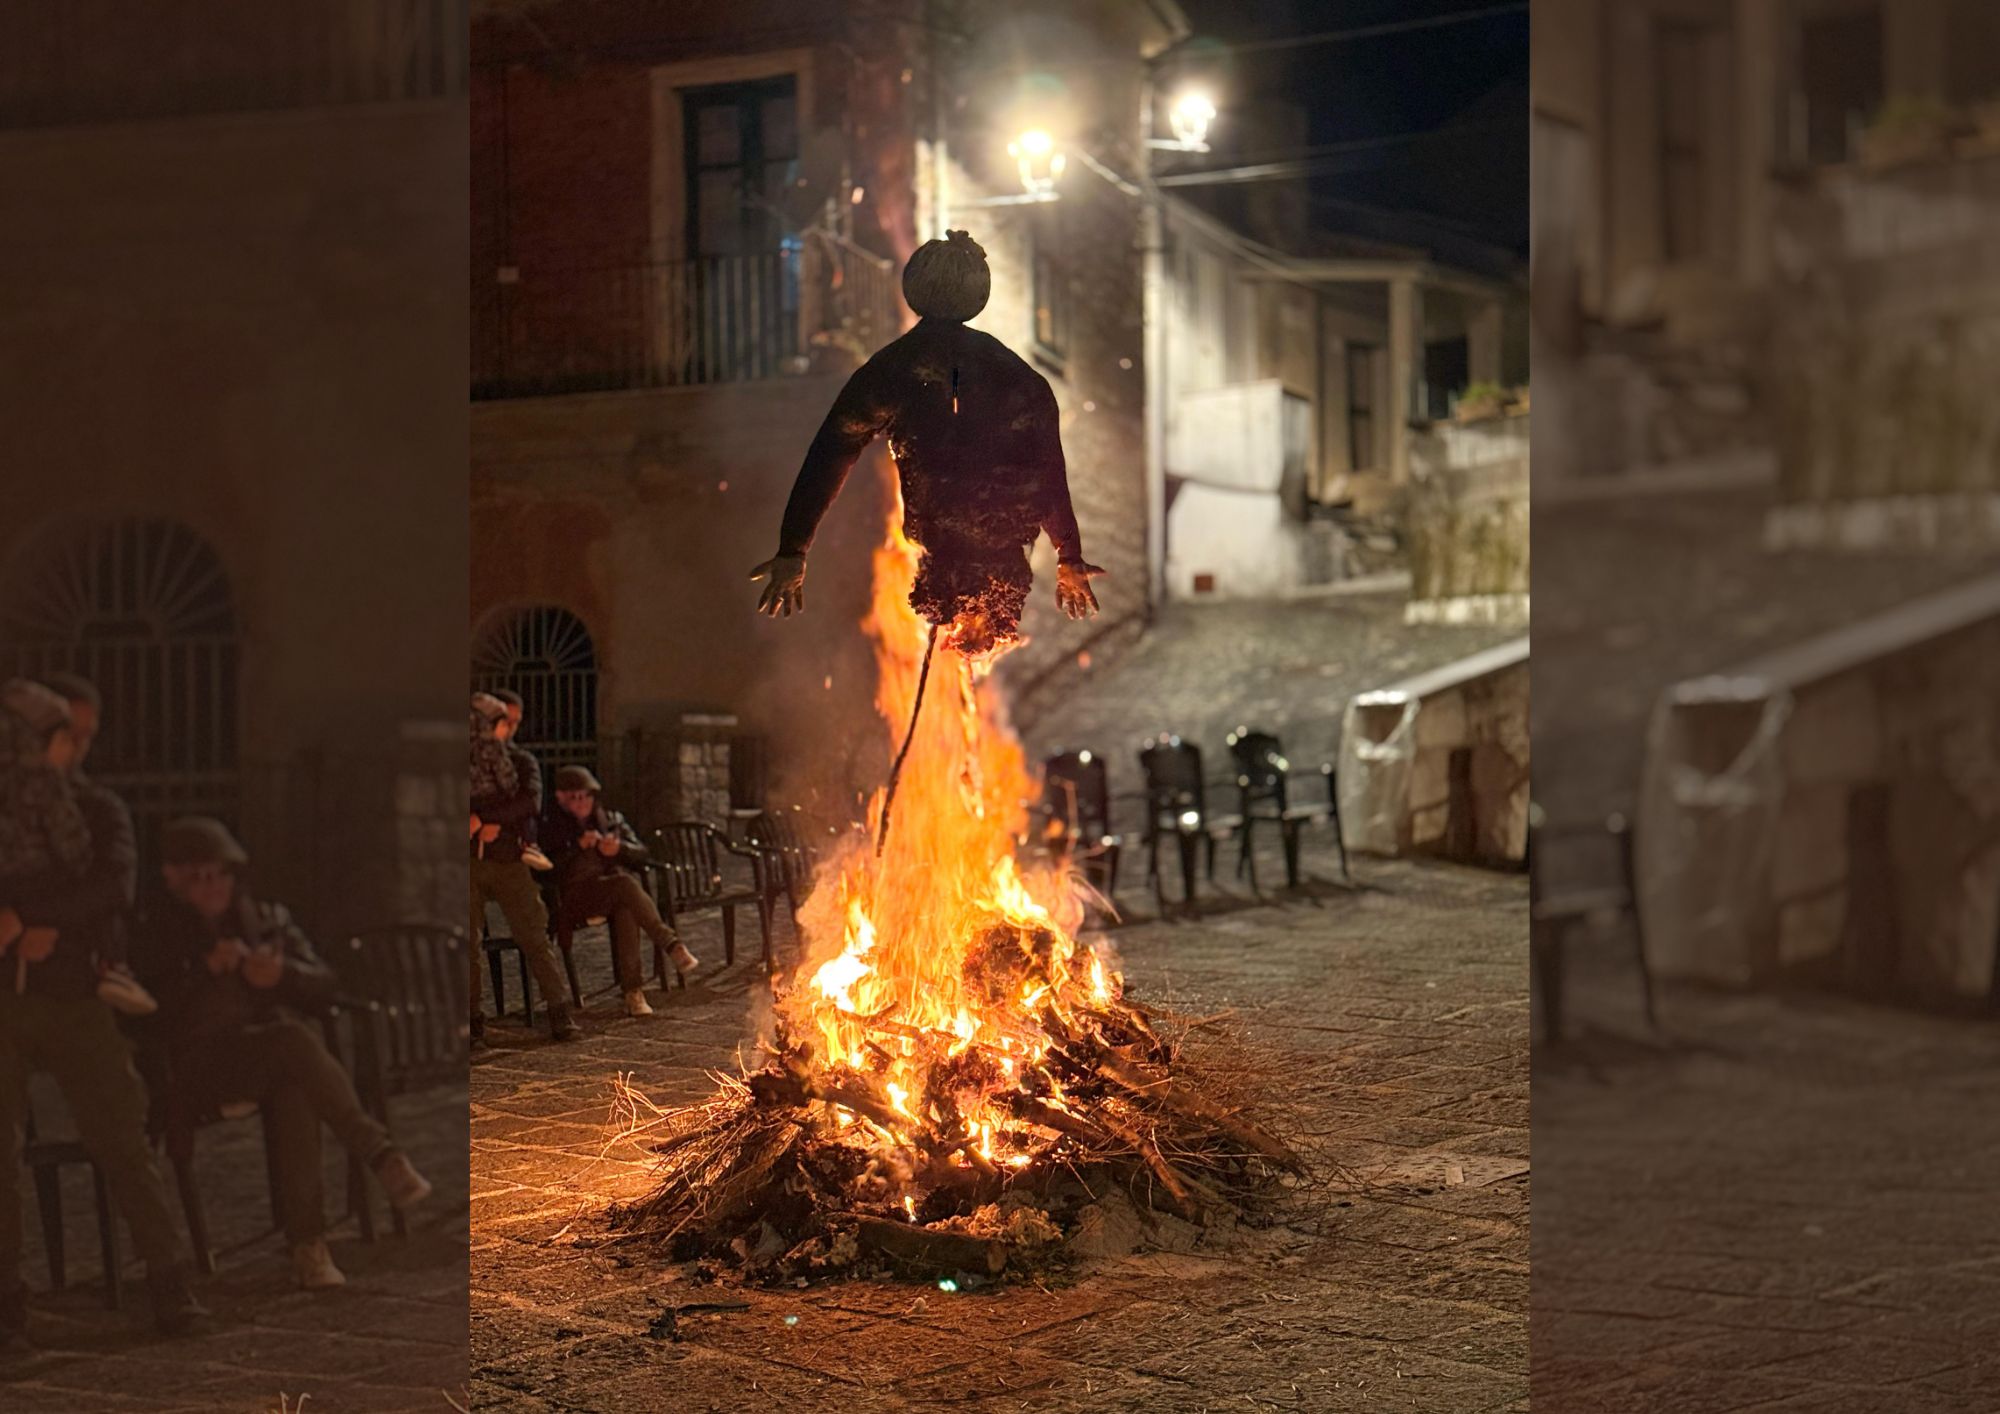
55, 1022
503, 841
596, 856
237, 980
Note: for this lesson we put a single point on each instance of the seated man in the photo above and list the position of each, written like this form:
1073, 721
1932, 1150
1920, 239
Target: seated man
595, 853
236, 979
54, 933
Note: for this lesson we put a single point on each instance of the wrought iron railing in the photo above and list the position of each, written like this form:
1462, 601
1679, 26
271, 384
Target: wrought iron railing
97, 61
664, 324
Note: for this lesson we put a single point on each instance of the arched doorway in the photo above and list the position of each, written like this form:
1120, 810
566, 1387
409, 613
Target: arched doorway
545, 653
142, 607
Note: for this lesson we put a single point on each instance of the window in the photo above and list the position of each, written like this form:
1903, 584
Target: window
1840, 80
1049, 279
546, 654
742, 156
1679, 74
143, 608
1363, 361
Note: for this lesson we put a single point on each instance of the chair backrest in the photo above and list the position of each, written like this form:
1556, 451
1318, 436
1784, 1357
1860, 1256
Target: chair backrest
1173, 777
778, 833
1076, 793
685, 861
1261, 767
416, 973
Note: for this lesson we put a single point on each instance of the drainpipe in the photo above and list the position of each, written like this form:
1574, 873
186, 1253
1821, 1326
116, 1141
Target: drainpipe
1155, 353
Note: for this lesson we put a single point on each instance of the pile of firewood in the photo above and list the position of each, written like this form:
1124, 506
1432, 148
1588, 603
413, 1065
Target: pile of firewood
769, 1176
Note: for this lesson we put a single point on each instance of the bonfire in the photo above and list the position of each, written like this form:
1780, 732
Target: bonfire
954, 1071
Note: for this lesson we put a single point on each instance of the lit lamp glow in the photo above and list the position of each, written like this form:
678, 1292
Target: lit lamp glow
1190, 116
1040, 161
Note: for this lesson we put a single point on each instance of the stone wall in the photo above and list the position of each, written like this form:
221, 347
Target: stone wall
1438, 764
1886, 357
1832, 815
1465, 518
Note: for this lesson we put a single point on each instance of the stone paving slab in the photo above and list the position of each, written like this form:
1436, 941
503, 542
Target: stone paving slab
1373, 1010
1777, 1203
393, 1339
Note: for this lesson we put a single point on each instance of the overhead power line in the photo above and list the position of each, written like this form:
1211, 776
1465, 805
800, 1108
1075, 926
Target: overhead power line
1342, 36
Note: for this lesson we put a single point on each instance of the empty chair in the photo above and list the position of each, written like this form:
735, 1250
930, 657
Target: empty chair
1076, 814
1177, 810
1264, 791
687, 878
782, 838
1552, 913
405, 990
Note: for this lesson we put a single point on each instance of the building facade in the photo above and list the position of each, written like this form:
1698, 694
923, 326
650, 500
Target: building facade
231, 440
1760, 225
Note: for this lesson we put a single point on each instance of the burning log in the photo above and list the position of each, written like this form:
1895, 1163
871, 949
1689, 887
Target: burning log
923, 1251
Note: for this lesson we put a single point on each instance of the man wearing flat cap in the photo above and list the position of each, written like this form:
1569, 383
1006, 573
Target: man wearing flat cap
596, 856
237, 981
56, 1017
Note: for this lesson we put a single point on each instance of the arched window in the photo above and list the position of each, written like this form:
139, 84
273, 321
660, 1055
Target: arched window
142, 607
545, 654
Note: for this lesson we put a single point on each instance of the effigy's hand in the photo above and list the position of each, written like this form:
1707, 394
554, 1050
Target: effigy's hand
1073, 591
785, 595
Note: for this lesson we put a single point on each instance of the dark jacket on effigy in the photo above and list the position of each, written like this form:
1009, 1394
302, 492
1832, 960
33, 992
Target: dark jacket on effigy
196, 1006
515, 814
90, 911
978, 451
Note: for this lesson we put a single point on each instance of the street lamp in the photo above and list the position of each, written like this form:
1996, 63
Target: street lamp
1190, 116
1039, 161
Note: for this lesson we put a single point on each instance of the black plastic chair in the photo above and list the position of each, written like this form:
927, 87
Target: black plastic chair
404, 988
45, 1160
687, 878
1551, 916
1263, 785
496, 944
1076, 815
789, 859
1177, 809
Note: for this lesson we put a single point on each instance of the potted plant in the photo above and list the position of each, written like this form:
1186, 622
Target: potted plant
1909, 130
1478, 402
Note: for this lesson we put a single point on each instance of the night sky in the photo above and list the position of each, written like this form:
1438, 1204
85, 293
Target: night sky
1470, 78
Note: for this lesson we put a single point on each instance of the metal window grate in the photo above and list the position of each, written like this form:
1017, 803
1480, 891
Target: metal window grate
546, 654
143, 609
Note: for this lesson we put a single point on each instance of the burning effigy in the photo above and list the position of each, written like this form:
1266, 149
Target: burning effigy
952, 1069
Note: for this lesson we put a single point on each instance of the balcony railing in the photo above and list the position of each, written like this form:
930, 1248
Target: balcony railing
667, 324
100, 61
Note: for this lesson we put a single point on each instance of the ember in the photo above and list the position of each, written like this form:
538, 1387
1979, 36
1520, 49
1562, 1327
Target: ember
952, 1064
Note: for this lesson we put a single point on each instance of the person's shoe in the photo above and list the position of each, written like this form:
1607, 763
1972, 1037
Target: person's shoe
313, 1265
118, 989
636, 1003
560, 1026
401, 1181
684, 961
175, 1309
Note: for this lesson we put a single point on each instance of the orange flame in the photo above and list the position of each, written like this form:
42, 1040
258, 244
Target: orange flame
926, 969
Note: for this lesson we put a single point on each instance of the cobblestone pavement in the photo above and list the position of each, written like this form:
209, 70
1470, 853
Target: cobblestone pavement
1393, 1020
1286, 666
1789, 1205
392, 1339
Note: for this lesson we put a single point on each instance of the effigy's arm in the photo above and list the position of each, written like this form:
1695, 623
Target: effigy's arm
858, 416
1073, 572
